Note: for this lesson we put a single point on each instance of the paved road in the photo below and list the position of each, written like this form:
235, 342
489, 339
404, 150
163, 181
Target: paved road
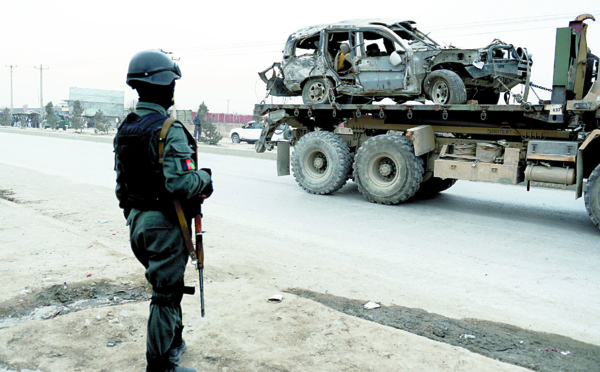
475, 251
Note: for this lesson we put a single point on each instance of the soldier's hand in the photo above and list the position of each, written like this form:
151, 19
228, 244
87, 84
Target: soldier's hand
208, 189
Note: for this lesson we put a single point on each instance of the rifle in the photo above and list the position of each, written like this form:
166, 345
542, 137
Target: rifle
197, 254
200, 255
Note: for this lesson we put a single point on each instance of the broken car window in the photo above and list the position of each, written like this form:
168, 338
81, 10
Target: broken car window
308, 45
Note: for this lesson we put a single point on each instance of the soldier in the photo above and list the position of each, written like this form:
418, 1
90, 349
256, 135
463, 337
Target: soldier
146, 190
197, 126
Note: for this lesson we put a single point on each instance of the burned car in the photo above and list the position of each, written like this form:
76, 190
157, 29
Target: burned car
363, 61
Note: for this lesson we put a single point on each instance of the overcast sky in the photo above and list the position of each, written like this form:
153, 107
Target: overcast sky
222, 45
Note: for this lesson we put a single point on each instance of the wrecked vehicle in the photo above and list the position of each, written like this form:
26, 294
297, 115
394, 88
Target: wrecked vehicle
363, 61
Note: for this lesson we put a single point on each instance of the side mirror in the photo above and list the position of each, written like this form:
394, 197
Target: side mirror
395, 58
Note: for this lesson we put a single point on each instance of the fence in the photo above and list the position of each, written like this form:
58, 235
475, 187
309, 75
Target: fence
229, 118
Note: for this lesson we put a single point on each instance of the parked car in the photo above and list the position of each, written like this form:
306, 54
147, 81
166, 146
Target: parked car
250, 132
60, 124
367, 60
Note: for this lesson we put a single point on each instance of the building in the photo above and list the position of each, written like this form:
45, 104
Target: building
111, 102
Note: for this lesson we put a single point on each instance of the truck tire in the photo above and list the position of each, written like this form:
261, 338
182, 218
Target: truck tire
445, 87
321, 162
592, 196
386, 169
235, 138
316, 91
433, 186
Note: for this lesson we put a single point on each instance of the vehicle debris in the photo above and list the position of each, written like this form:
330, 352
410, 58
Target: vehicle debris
278, 297
371, 305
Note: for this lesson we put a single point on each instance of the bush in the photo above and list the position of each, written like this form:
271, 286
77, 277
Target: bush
5, 119
102, 122
210, 133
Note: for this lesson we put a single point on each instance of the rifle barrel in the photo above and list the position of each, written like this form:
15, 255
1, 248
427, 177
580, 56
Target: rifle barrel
200, 255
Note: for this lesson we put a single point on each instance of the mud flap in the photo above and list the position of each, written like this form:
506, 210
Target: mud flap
283, 158
579, 183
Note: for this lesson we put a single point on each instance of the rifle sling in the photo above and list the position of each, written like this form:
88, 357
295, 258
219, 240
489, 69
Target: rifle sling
185, 230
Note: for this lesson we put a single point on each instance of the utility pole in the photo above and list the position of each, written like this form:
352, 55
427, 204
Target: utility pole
11, 90
41, 93
174, 109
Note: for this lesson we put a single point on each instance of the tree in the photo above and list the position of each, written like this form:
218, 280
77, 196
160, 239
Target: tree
102, 122
77, 119
6, 119
202, 110
210, 133
51, 117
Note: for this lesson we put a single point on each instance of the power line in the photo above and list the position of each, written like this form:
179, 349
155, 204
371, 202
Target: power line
41, 91
11, 88
487, 24
264, 47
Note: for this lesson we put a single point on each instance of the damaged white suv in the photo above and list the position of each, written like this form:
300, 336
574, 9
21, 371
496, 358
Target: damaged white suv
362, 61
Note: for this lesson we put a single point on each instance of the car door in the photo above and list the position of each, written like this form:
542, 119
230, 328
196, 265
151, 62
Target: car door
300, 61
376, 72
251, 131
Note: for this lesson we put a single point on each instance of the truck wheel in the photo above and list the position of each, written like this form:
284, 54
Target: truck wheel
445, 87
321, 162
316, 91
433, 186
235, 138
592, 196
386, 169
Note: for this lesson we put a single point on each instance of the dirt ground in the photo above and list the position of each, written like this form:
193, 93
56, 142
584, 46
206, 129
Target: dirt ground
74, 299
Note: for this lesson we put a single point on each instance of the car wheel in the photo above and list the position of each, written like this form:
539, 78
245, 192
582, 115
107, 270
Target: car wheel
386, 169
445, 87
316, 91
235, 138
321, 162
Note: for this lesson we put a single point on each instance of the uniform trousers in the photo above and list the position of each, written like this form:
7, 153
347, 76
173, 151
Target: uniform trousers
158, 244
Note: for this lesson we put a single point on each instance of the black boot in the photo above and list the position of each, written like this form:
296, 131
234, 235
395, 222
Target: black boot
163, 364
177, 347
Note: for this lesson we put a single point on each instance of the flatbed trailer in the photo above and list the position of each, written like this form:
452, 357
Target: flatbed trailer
395, 151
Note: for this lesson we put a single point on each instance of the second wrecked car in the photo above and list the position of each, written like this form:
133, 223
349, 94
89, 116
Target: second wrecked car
367, 60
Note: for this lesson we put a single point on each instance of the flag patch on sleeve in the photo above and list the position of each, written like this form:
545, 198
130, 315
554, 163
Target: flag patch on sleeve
188, 164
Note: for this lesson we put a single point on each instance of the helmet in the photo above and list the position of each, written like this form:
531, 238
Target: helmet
152, 67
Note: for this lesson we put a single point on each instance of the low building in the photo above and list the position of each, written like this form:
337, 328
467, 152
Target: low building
111, 102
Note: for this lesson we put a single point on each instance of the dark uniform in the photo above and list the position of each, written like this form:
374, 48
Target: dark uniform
146, 190
197, 127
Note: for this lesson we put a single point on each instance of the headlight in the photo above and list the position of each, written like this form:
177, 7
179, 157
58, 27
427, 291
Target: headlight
522, 53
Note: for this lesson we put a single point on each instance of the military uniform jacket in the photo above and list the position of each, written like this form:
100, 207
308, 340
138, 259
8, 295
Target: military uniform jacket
178, 177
